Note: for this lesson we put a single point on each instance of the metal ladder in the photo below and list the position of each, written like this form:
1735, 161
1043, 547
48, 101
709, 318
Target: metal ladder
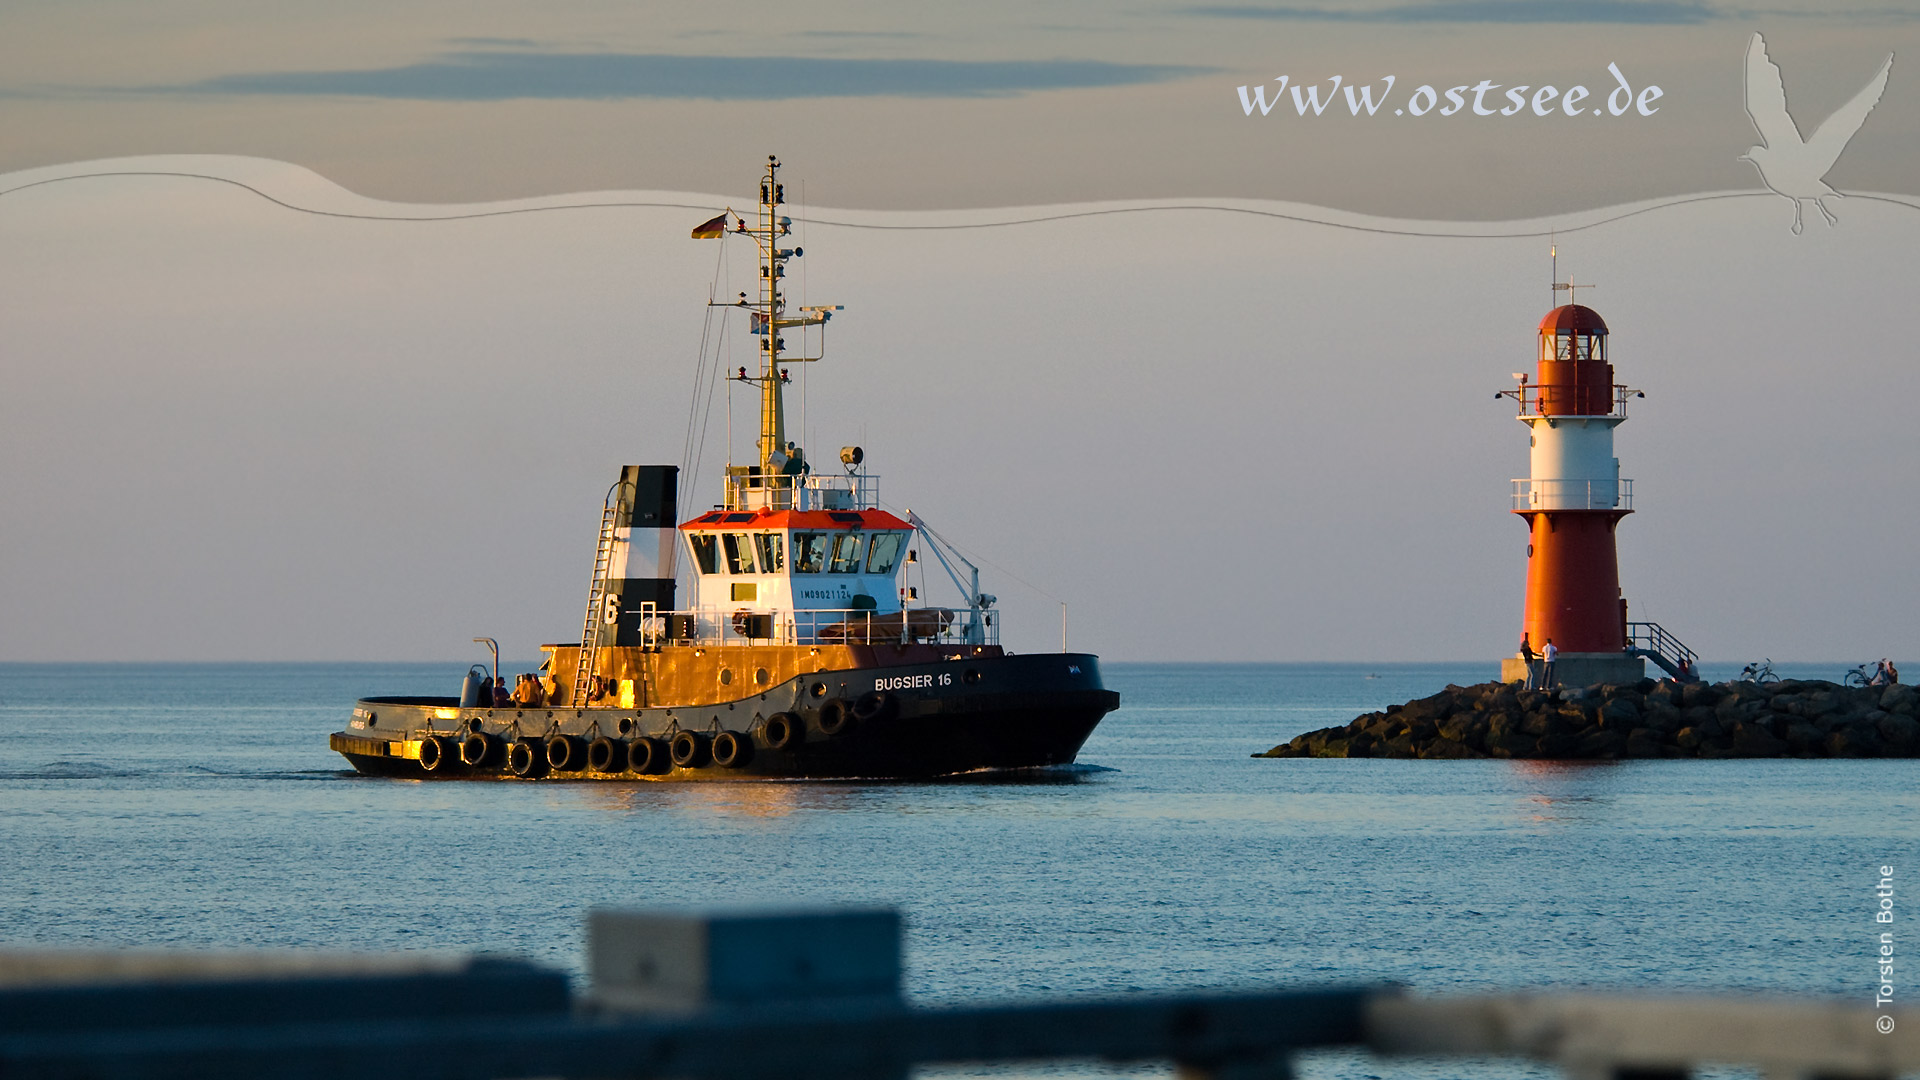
583, 672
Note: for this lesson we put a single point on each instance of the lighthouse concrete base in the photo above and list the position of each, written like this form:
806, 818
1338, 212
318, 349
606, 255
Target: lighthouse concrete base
1579, 669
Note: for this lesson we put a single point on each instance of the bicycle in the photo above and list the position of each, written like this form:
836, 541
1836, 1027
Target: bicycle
1868, 674
1761, 672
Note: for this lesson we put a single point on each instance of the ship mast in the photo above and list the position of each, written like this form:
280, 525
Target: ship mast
781, 462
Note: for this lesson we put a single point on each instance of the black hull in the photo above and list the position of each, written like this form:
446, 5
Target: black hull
909, 722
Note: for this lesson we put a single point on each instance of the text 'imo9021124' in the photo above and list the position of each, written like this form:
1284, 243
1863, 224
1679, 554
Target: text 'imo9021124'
802, 653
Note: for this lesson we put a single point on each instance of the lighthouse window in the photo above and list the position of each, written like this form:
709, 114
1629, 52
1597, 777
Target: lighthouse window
772, 550
882, 550
846, 554
739, 548
809, 552
704, 551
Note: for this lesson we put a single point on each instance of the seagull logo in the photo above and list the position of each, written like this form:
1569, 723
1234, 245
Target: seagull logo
1790, 165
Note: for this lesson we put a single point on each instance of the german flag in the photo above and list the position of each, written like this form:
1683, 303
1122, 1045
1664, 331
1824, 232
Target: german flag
712, 229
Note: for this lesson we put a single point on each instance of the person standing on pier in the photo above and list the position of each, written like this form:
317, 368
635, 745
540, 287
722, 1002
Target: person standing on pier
1548, 654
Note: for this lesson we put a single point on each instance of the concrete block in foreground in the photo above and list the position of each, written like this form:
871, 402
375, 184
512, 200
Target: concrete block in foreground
694, 960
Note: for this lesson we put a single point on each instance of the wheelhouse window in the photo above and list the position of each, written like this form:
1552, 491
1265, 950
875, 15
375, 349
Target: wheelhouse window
739, 548
771, 547
809, 552
705, 552
846, 554
882, 552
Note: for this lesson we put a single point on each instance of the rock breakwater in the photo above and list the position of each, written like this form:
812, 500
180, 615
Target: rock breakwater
1648, 719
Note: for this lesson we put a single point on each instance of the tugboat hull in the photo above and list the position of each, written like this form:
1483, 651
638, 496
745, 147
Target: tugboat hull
904, 722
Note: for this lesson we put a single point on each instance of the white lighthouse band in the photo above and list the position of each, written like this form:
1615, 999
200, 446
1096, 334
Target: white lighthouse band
1571, 464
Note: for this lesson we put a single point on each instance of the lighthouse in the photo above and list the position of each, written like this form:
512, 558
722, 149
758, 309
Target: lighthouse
1573, 500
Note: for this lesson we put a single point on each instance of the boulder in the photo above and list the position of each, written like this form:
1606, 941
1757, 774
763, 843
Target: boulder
1448, 750
1664, 719
1853, 741
1400, 746
1900, 732
1466, 728
1558, 746
1752, 740
1620, 714
1512, 744
1601, 743
1641, 743
1803, 737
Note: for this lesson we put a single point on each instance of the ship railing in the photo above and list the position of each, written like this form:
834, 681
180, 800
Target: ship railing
1530, 494
750, 488
812, 995
718, 626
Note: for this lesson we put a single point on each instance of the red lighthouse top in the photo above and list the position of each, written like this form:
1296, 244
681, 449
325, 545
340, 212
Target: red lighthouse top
1574, 375
1573, 318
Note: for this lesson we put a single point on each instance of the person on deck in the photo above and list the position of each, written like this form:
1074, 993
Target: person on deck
525, 691
501, 699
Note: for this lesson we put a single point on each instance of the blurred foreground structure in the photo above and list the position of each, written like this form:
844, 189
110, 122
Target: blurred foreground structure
817, 994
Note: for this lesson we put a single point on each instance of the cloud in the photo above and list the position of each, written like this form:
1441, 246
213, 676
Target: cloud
497, 76
1642, 12
495, 42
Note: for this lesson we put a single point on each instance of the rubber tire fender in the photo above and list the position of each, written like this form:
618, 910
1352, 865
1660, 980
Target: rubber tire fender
731, 750
835, 718
874, 705
527, 758
606, 755
646, 756
436, 752
479, 748
783, 731
565, 753
688, 750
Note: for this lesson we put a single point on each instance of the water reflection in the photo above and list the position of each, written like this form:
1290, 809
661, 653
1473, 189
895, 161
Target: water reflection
782, 798
1565, 792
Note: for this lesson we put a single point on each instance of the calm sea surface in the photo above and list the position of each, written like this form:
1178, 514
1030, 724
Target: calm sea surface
199, 805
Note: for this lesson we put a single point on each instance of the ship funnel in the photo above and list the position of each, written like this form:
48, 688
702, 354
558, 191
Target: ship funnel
640, 571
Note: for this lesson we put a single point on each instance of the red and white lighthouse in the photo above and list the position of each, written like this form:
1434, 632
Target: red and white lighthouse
1572, 501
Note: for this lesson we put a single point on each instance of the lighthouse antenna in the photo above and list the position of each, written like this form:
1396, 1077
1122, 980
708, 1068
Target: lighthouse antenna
1553, 253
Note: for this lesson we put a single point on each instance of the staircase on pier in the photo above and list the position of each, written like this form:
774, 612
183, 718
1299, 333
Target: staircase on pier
1651, 640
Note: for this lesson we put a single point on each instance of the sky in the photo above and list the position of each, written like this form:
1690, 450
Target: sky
1240, 409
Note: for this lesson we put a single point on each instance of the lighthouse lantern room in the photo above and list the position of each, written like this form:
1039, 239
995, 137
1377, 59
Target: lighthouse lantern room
1572, 500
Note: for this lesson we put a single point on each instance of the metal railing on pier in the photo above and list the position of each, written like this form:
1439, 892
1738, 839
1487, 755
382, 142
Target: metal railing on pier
1529, 494
1653, 641
800, 996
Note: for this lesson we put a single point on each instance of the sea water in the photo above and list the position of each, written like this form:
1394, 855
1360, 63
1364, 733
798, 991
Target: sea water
198, 805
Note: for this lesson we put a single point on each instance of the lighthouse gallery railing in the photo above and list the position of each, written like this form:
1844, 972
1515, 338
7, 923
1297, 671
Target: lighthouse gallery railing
1530, 494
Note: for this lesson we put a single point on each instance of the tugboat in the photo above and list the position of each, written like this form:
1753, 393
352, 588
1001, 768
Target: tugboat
805, 652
